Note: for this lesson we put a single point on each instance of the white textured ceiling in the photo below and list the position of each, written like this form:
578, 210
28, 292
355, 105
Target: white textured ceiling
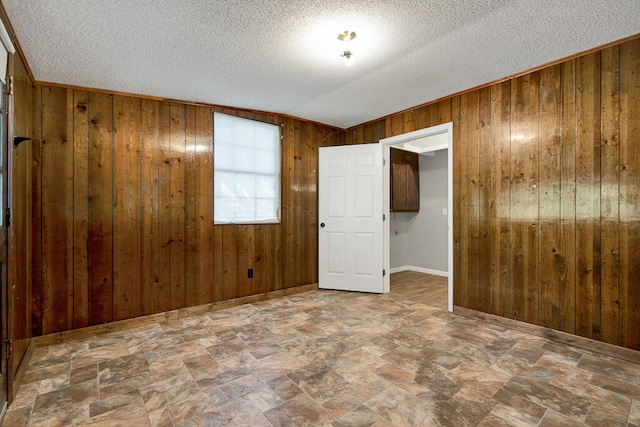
283, 55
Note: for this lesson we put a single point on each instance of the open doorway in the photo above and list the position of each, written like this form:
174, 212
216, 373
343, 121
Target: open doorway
437, 140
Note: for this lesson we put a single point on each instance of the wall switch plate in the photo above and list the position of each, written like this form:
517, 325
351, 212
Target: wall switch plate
444, 211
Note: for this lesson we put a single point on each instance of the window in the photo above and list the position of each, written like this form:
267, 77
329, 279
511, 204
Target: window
246, 171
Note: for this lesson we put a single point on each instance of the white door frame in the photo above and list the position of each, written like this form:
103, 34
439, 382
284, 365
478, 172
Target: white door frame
386, 144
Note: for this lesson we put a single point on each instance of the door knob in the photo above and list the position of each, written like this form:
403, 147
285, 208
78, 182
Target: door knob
322, 225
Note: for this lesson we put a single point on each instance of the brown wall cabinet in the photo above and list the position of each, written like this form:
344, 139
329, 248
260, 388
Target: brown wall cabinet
405, 181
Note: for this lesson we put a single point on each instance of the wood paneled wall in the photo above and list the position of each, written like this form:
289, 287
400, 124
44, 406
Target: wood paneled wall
547, 194
126, 199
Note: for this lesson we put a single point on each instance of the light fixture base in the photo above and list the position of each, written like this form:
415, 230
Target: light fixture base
345, 36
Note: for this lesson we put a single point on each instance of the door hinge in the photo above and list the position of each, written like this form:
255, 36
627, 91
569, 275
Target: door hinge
384, 273
384, 217
9, 348
384, 162
7, 217
9, 86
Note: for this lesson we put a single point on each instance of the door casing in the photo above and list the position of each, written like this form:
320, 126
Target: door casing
386, 143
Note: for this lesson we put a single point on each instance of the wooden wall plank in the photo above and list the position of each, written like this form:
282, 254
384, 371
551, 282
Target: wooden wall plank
484, 183
286, 203
278, 245
229, 261
424, 117
218, 264
298, 209
57, 234
177, 267
100, 208
356, 136
444, 111
630, 194
36, 215
164, 218
499, 284
409, 121
469, 118
205, 254
568, 198
80, 209
372, 132
461, 285
190, 238
588, 196
433, 114
127, 302
609, 196
279, 229
246, 253
309, 228
524, 198
261, 252
150, 202
289, 200
395, 125
551, 251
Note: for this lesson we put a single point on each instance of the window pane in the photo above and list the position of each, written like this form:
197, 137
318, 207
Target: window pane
224, 184
246, 170
245, 210
266, 208
265, 162
243, 159
245, 186
223, 156
266, 186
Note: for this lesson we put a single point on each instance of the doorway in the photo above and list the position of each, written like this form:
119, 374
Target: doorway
421, 141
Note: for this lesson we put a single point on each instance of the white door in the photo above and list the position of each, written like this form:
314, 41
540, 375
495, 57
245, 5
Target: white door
350, 218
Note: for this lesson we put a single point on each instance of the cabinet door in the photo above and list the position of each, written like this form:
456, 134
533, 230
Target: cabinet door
405, 181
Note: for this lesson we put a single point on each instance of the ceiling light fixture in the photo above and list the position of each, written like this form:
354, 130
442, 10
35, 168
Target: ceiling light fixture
346, 36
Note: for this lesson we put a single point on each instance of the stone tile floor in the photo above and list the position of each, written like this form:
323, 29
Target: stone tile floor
325, 358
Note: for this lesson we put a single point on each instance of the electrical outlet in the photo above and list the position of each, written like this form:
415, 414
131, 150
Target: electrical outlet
250, 273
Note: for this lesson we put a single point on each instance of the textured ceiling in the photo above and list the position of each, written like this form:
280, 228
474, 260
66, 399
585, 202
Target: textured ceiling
283, 55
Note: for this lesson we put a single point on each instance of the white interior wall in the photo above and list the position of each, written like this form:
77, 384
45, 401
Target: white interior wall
419, 240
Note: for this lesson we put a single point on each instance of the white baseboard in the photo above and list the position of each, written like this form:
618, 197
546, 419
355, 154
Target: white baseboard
419, 270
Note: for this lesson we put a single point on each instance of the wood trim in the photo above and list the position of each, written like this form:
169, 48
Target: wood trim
504, 79
551, 334
22, 368
215, 107
122, 325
